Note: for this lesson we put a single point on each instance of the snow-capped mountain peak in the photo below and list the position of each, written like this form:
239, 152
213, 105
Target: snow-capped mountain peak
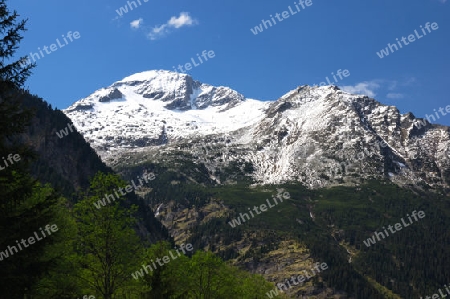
149, 108
305, 135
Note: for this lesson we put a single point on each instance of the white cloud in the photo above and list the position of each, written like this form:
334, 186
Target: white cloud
366, 88
173, 23
183, 20
395, 96
136, 23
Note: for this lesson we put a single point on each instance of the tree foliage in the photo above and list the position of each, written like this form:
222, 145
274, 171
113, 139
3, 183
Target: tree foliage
107, 246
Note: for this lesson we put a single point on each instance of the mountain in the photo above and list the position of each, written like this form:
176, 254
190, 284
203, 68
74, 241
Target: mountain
318, 136
350, 165
157, 107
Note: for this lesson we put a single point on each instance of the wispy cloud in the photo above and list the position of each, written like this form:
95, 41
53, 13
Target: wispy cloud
395, 96
411, 80
366, 88
370, 88
173, 23
136, 24
392, 85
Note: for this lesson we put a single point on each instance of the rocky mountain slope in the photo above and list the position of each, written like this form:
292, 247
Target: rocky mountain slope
315, 135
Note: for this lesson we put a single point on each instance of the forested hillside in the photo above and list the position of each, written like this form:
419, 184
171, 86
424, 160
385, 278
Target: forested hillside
324, 225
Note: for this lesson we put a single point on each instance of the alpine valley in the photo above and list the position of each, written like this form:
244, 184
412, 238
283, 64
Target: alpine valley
349, 164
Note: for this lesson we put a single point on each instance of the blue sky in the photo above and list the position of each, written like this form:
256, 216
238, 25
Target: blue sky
304, 47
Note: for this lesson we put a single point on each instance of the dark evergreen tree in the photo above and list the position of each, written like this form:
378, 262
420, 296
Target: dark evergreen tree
25, 206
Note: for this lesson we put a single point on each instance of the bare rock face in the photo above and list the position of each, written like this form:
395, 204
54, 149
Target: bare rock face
115, 94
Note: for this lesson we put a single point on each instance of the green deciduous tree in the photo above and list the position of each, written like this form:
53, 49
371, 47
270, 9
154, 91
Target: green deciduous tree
204, 276
108, 247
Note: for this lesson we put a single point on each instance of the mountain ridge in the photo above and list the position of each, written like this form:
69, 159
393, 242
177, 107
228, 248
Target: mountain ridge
303, 136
